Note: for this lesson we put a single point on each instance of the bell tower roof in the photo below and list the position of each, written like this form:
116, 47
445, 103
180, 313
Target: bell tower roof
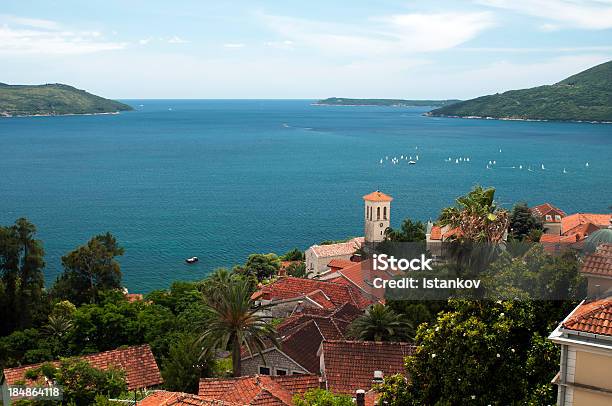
377, 196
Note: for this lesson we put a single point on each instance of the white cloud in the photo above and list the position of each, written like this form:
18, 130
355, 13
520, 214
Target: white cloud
33, 36
286, 44
176, 40
587, 14
233, 45
144, 41
402, 33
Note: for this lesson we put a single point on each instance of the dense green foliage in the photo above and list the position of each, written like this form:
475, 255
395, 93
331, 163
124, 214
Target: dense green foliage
381, 323
410, 231
53, 99
523, 224
321, 397
336, 101
586, 96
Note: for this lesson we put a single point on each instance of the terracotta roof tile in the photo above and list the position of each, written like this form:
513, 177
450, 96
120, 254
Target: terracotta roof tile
165, 398
140, 368
257, 389
436, 233
293, 288
570, 222
592, 317
338, 249
340, 263
599, 262
377, 196
543, 209
350, 365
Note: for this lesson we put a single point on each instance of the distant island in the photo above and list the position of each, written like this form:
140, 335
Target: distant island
340, 101
53, 99
586, 96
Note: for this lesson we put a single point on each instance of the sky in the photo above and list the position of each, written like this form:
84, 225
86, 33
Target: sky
292, 49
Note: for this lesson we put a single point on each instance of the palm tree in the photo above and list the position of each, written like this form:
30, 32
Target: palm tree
233, 321
381, 323
477, 216
58, 326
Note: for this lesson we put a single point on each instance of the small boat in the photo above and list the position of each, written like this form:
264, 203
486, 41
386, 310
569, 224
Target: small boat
411, 162
192, 260
543, 167
564, 171
587, 165
381, 161
520, 166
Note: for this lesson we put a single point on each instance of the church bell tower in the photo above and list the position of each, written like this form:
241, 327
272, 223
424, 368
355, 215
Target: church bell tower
377, 215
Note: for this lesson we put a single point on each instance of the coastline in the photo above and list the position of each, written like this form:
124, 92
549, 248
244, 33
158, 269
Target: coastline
428, 114
4, 115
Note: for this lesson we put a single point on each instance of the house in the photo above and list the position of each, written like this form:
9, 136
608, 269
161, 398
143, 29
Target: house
597, 268
361, 275
256, 389
348, 366
550, 216
575, 223
319, 256
300, 336
585, 337
435, 235
141, 370
575, 231
288, 293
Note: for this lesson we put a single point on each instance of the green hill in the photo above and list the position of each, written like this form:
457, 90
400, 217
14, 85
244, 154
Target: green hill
586, 96
53, 99
338, 101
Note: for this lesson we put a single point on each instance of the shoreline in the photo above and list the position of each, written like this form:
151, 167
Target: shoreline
428, 114
58, 115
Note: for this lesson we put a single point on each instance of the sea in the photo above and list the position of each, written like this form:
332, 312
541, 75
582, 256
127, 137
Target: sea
221, 179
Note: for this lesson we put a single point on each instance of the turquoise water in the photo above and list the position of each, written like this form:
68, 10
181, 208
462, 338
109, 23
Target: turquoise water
222, 179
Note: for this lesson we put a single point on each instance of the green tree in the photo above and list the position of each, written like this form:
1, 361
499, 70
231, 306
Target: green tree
298, 270
261, 266
293, 255
90, 269
21, 276
410, 231
185, 364
477, 216
81, 382
321, 397
523, 223
381, 323
233, 321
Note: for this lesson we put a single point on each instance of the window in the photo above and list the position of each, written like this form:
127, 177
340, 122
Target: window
384, 213
548, 217
264, 370
378, 213
297, 373
281, 372
557, 217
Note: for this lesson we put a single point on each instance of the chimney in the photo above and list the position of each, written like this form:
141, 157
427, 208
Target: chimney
378, 377
360, 397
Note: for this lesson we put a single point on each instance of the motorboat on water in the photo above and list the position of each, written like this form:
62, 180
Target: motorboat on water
192, 260
411, 162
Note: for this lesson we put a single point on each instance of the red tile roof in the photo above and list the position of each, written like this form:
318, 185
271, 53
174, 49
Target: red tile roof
165, 398
340, 263
338, 249
599, 262
570, 222
257, 389
436, 233
140, 368
547, 209
377, 196
134, 297
350, 365
592, 317
293, 288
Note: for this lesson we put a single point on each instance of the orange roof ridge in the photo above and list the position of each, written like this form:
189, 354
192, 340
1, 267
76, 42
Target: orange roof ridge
377, 196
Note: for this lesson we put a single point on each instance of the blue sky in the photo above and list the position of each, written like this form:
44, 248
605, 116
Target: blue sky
301, 49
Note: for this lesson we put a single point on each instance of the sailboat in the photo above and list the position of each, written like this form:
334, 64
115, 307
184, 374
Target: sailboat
564, 171
587, 165
543, 167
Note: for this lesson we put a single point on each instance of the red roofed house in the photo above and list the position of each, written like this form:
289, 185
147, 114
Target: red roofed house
436, 235
257, 389
585, 337
140, 368
300, 336
165, 398
597, 268
289, 293
550, 216
319, 256
347, 366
